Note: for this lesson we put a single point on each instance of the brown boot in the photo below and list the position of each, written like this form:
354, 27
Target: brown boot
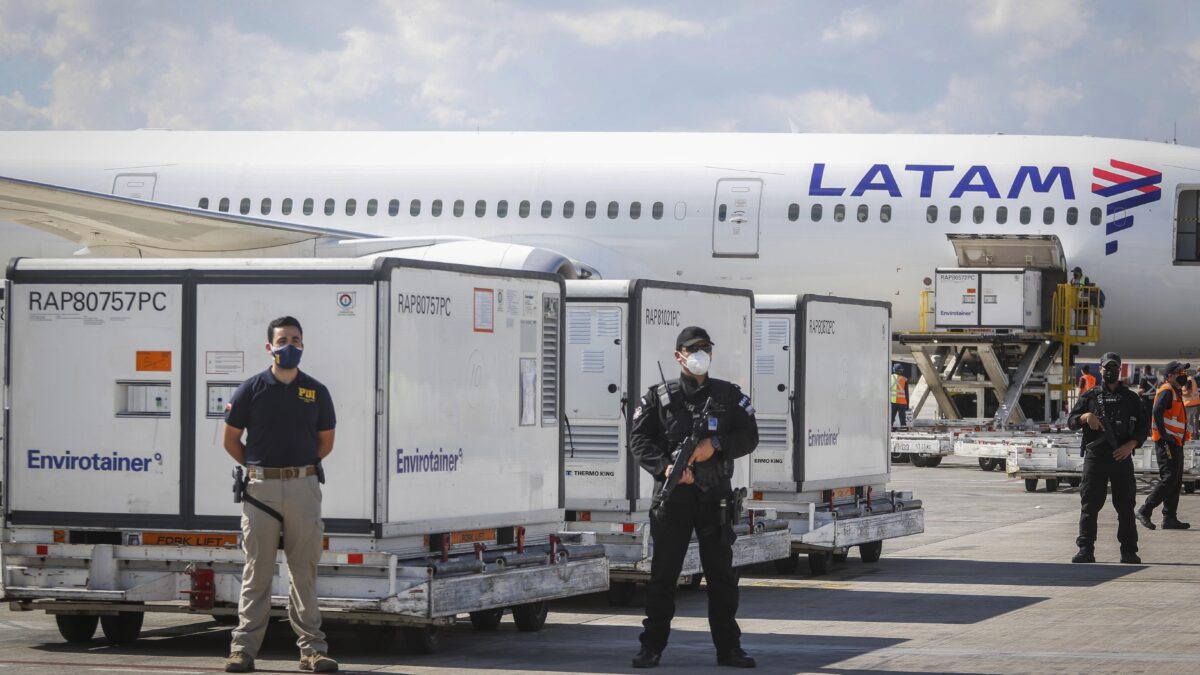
318, 663
239, 662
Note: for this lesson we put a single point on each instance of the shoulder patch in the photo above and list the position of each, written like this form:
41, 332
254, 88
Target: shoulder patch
745, 403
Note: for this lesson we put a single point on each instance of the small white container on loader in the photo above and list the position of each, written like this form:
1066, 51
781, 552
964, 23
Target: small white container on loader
821, 385
991, 298
444, 492
618, 334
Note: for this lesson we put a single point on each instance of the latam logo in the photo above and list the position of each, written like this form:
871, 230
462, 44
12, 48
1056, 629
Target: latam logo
1143, 180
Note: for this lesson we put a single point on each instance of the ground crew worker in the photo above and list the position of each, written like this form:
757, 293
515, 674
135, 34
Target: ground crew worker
1112, 407
1086, 381
1083, 299
658, 429
899, 396
1170, 432
1191, 401
289, 419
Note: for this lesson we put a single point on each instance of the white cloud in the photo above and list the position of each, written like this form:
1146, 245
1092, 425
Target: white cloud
16, 113
853, 25
1034, 30
830, 110
618, 26
1040, 101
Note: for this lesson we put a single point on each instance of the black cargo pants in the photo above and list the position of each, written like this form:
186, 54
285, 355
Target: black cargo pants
1100, 469
1170, 480
672, 535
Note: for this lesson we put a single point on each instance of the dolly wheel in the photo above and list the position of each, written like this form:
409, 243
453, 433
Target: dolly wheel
620, 593
1051, 485
530, 617
787, 565
123, 628
487, 619
693, 582
1031, 485
1075, 482
1189, 487
422, 639
819, 562
841, 557
870, 551
988, 463
932, 461
917, 461
77, 628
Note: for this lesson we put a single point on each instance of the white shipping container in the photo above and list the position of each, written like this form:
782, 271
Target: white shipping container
1004, 298
618, 334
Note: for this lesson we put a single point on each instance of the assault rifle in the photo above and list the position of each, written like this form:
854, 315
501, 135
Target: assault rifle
681, 459
1097, 409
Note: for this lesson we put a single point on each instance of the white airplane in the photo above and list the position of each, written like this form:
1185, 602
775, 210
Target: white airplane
854, 215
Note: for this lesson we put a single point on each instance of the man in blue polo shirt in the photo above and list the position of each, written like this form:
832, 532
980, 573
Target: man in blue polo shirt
288, 419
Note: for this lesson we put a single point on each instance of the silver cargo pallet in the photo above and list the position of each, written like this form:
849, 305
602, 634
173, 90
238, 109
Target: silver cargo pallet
1055, 458
629, 549
416, 595
826, 532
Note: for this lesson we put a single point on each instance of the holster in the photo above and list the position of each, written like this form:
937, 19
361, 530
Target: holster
241, 494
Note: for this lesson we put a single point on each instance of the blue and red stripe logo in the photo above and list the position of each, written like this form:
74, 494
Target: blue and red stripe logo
1144, 182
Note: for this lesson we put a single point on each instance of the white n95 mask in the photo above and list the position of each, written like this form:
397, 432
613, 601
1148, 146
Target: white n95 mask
698, 362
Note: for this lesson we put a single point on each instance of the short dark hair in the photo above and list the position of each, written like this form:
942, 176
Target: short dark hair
279, 323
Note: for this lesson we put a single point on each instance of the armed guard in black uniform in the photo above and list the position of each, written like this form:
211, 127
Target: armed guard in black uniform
1114, 424
703, 501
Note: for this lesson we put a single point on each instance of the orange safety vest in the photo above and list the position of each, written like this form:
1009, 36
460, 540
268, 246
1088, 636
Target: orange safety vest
1089, 382
1174, 419
899, 386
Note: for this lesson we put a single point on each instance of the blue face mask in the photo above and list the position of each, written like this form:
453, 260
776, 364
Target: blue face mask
288, 356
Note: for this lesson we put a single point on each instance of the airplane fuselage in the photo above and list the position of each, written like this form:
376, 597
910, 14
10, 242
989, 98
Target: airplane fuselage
728, 209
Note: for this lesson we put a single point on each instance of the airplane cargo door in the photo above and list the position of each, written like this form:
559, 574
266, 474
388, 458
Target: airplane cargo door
735, 218
135, 185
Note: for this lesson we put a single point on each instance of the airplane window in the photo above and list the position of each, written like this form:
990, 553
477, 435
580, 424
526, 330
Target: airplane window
816, 213
351, 206
1002, 214
568, 209
330, 206
502, 208
244, 206
223, 205
955, 213
458, 208
1026, 214
308, 206
680, 210
1095, 216
435, 209
635, 210
265, 207
414, 208
977, 215
613, 210
931, 214
1048, 215
885, 213
839, 213
547, 208
523, 210
480, 208
656, 211
863, 213
1072, 215
393, 207
286, 207
372, 207
589, 210
794, 212
721, 212
203, 204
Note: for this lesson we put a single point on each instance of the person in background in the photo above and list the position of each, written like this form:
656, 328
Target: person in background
1145, 390
1086, 381
899, 396
1170, 432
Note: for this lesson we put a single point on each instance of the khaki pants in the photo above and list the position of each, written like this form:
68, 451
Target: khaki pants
299, 501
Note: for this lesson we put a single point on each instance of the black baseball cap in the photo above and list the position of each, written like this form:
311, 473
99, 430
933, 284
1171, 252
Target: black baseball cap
692, 335
1175, 366
1077, 270
1110, 357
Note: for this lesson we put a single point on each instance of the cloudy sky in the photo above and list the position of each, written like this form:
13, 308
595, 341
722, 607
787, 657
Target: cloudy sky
1105, 68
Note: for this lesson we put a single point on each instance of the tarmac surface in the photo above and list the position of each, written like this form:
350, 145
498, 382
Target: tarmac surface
988, 588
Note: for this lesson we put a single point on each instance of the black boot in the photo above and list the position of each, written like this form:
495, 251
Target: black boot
647, 658
1143, 517
736, 657
1130, 558
1173, 523
1085, 555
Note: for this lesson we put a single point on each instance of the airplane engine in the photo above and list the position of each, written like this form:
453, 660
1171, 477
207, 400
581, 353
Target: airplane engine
494, 254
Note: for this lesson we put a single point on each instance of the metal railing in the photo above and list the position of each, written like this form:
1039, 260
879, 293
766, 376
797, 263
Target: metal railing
1075, 320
